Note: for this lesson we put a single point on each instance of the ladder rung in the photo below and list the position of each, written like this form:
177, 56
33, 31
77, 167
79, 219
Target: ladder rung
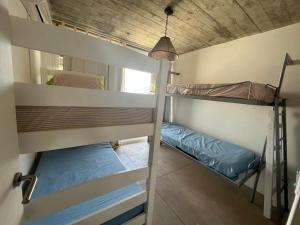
281, 139
281, 164
274, 190
280, 148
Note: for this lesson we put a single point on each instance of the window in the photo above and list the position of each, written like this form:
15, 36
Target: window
135, 81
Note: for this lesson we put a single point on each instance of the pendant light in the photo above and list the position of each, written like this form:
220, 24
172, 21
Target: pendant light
164, 48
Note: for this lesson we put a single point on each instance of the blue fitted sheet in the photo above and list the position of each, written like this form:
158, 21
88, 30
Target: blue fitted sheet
228, 159
61, 169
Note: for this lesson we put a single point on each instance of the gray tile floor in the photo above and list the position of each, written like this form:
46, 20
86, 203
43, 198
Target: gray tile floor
190, 194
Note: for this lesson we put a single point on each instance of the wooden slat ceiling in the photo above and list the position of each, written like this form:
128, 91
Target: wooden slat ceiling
195, 24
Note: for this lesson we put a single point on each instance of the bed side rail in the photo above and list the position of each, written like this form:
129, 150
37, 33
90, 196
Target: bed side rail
138, 220
58, 40
30, 142
117, 209
114, 126
57, 201
47, 95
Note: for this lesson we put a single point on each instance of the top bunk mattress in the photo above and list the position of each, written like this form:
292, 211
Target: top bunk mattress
243, 90
64, 168
226, 158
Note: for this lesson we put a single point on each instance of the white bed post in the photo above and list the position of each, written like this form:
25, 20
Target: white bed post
11, 209
161, 84
268, 190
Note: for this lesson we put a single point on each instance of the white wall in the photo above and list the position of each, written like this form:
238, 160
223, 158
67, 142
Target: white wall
257, 58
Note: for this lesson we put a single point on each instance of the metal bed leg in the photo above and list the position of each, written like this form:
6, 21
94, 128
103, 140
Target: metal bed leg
259, 169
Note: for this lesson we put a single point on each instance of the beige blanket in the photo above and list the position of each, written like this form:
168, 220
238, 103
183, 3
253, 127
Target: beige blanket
76, 81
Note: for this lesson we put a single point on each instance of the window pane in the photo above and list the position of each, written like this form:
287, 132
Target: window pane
137, 81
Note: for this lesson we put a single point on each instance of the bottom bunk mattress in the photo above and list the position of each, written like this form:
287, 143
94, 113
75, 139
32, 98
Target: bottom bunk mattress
62, 169
227, 159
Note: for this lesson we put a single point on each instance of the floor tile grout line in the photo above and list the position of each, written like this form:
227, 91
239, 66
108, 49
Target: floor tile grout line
178, 217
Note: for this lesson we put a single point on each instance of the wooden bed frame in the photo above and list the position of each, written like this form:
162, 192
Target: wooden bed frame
48, 38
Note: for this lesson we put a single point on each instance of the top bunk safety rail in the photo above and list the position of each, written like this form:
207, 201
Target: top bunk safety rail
288, 61
59, 40
82, 116
224, 99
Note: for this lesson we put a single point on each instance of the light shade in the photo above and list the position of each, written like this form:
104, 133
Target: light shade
164, 49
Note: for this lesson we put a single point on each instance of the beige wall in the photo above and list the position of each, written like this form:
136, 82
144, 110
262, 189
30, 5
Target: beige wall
257, 58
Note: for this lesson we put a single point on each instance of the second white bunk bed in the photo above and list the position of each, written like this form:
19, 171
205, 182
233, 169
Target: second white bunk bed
73, 121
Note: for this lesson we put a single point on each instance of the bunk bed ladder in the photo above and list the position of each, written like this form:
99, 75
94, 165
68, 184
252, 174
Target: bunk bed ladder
274, 159
280, 167
276, 153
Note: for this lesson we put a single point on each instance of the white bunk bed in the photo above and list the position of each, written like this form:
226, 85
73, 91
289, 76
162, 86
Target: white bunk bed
57, 40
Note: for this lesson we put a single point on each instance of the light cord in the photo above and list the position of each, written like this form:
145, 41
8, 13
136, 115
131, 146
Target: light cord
166, 25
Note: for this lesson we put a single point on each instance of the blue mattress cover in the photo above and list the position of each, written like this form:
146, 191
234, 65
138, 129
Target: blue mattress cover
61, 169
228, 159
